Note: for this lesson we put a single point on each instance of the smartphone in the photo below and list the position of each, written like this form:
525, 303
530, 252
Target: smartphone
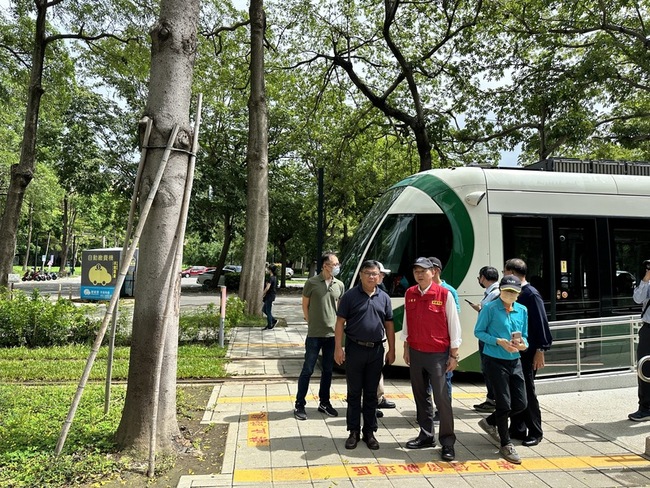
469, 302
515, 338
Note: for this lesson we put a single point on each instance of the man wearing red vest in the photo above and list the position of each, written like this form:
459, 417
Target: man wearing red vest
431, 333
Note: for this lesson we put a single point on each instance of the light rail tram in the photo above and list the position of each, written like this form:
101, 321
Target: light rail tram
583, 236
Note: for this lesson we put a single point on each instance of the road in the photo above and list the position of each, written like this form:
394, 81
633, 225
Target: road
192, 294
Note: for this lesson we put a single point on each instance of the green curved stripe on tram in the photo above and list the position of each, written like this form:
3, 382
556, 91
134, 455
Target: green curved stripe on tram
461, 225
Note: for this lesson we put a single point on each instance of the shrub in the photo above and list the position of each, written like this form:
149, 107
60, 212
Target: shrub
199, 325
232, 280
235, 307
203, 324
35, 321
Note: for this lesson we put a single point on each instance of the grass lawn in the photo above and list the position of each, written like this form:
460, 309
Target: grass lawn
32, 415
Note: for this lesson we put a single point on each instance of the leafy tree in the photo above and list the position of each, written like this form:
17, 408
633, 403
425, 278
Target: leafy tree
399, 57
34, 56
573, 79
42, 211
217, 211
257, 197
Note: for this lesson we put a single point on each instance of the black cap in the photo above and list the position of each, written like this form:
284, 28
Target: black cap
436, 262
510, 282
423, 263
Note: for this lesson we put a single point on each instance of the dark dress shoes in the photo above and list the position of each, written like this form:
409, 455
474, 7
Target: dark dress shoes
421, 441
380, 414
353, 440
531, 441
370, 441
385, 404
448, 453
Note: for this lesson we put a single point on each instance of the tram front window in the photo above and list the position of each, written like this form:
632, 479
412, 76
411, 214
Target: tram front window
352, 254
403, 238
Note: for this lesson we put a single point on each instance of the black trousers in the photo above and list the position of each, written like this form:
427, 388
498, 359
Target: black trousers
529, 422
509, 388
363, 367
642, 350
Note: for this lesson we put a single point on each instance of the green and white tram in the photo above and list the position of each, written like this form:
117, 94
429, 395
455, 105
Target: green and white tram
583, 237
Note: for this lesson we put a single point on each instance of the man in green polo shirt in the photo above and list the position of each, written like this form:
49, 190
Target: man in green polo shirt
320, 297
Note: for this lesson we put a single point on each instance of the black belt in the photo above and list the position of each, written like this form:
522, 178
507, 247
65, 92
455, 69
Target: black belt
366, 344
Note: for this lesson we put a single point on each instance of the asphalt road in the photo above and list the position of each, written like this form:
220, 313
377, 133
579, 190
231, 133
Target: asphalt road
191, 292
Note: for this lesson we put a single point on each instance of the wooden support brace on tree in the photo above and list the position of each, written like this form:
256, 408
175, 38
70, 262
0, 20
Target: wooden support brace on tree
124, 266
178, 257
127, 238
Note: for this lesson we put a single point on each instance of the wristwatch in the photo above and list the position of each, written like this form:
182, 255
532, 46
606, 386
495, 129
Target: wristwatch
456, 357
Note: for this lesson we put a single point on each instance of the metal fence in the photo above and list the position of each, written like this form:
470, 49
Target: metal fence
584, 346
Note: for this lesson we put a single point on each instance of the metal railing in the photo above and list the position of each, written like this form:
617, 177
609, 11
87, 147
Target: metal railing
573, 337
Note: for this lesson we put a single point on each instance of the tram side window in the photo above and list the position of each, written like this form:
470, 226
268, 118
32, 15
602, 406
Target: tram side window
403, 238
527, 238
630, 246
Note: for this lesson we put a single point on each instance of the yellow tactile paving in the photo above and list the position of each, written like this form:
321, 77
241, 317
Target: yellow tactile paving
359, 471
335, 396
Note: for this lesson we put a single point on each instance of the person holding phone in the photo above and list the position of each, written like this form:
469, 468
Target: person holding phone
502, 326
527, 425
488, 278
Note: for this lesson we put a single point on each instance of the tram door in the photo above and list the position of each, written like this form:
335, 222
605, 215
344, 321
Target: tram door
561, 254
575, 249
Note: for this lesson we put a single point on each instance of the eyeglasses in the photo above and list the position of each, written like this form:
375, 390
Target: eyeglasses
370, 275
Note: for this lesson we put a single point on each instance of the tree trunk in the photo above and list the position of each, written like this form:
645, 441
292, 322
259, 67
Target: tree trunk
172, 61
68, 224
29, 236
257, 198
282, 248
23, 172
225, 249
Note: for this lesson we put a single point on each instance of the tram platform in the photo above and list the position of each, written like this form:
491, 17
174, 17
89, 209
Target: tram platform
588, 440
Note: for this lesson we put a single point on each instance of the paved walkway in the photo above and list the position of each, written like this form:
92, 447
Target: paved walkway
588, 441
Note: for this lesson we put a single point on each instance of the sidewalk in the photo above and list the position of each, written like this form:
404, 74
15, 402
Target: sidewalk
588, 441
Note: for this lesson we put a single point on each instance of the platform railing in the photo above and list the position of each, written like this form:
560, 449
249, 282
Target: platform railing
584, 332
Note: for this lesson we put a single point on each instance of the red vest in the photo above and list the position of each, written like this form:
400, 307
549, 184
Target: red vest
426, 319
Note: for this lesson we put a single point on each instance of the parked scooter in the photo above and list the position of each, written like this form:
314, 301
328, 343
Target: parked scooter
36, 275
28, 275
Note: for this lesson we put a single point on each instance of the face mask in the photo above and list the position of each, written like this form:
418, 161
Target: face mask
336, 270
481, 283
508, 298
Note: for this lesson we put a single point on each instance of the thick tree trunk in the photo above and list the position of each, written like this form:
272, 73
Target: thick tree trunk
257, 203
23, 172
172, 61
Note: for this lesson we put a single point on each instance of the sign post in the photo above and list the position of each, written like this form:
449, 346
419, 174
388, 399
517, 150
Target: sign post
222, 309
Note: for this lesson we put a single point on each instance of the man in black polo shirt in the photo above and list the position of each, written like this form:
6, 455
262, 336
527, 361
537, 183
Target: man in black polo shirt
365, 315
